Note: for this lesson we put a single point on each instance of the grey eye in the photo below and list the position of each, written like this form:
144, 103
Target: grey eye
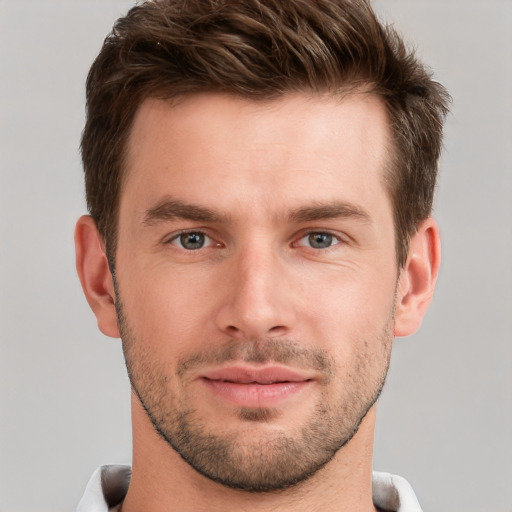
320, 240
192, 241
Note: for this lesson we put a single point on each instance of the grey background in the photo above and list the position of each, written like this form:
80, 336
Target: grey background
445, 419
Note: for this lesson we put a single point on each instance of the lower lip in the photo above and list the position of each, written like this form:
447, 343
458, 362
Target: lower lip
253, 394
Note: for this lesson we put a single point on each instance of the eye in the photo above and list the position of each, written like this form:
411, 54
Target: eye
319, 240
191, 240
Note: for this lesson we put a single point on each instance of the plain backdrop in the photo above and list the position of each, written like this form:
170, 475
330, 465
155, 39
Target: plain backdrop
445, 419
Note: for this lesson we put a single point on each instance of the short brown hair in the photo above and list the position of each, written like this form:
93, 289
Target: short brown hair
261, 49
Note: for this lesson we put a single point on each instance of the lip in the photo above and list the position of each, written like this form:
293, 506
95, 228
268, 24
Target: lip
256, 387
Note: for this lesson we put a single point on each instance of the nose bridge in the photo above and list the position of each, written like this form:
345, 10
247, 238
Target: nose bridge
257, 304
256, 264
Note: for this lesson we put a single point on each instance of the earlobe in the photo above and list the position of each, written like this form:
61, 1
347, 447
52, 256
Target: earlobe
94, 273
418, 278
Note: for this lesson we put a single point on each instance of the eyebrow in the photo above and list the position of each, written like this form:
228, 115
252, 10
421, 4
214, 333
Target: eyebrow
169, 209
330, 210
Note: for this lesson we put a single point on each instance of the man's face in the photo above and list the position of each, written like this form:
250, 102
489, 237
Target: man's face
256, 278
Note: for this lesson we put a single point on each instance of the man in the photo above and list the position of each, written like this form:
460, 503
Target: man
260, 177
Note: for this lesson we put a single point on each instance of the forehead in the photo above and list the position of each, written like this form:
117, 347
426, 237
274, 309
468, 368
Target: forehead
298, 146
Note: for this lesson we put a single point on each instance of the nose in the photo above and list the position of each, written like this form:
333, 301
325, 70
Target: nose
257, 297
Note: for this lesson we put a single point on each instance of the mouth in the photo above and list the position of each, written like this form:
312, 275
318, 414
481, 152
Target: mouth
256, 387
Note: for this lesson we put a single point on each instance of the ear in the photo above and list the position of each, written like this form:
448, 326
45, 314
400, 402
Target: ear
418, 278
95, 276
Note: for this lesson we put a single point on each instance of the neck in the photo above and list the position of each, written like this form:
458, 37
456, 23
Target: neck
162, 480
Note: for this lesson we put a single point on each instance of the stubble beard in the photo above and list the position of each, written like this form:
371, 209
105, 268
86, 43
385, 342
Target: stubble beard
240, 459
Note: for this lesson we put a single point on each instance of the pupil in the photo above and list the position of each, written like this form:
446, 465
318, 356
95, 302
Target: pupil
192, 241
320, 240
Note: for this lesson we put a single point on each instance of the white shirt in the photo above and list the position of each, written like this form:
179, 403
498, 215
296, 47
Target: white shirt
108, 485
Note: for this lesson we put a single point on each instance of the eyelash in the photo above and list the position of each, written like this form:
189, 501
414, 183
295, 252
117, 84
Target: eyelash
335, 238
177, 236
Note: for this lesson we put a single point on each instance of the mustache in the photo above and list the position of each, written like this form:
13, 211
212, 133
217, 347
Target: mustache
283, 351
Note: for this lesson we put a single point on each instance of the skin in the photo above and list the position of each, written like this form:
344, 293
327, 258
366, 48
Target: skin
263, 169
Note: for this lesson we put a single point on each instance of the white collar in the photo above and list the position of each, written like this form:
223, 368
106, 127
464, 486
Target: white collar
108, 485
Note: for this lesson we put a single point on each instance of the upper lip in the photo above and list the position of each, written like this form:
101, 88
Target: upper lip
264, 375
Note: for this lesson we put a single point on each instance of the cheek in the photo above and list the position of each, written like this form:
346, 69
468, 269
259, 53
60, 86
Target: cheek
349, 316
168, 309
350, 298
